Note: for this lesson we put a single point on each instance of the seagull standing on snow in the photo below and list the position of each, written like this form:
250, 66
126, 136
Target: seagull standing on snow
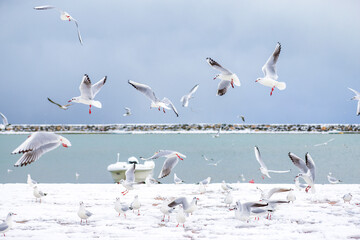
7, 224
88, 92
185, 99
165, 103
38, 194
227, 77
357, 97
38, 144
128, 112
307, 169
64, 107
63, 16
121, 207
269, 70
166, 210
264, 170
83, 213
135, 205
188, 207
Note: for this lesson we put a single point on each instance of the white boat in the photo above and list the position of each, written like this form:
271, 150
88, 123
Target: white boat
118, 169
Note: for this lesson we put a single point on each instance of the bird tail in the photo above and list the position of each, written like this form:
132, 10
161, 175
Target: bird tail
281, 85
96, 104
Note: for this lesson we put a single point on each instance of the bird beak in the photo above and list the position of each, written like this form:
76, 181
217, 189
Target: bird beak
256, 80
197, 199
69, 101
65, 145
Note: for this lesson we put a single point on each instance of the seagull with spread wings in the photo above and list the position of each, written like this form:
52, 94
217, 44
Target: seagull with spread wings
264, 170
307, 169
64, 107
269, 70
128, 112
227, 77
185, 99
165, 103
4, 120
357, 97
88, 92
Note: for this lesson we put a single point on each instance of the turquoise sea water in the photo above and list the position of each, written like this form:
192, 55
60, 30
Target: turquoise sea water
90, 155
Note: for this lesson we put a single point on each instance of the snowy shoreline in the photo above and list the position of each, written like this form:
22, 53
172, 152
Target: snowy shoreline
323, 215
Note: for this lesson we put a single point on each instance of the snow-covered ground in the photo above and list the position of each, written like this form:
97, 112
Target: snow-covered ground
323, 215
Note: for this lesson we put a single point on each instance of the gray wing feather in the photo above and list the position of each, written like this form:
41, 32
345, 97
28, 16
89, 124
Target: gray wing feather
35, 141
78, 31
3, 226
182, 200
310, 164
87, 213
218, 67
85, 87
269, 68
169, 164
130, 174
193, 90
223, 87
46, 7
34, 155
144, 89
258, 157
5, 121
298, 162
168, 102
97, 86
277, 190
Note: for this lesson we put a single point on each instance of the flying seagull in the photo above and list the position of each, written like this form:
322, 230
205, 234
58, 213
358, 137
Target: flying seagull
64, 107
63, 16
324, 143
165, 103
129, 181
185, 99
170, 162
88, 92
307, 169
227, 77
4, 120
269, 70
128, 112
38, 144
357, 97
264, 170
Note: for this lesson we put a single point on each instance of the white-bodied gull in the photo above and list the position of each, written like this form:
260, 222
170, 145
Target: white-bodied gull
64, 107
38, 194
83, 213
307, 169
185, 99
7, 224
129, 181
332, 179
188, 207
264, 170
356, 97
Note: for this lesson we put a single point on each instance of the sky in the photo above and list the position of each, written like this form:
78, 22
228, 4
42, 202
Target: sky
164, 44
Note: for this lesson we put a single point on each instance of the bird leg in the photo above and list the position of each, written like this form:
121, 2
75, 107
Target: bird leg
125, 215
119, 215
125, 192
169, 218
159, 108
177, 225
164, 110
263, 177
232, 83
86, 221
90, 109
138, 212
81, 221
183, 225
307, 189
272, 89
216, 76
163, 220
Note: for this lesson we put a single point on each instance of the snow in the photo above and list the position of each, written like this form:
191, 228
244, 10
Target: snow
322, 215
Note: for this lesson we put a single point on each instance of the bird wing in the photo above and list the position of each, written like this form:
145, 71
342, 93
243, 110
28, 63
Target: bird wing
169, 103
182, 200
223, 87
168, 165
5, 121
218, 67
85, 88
35, 141
54, 102
130, 174
144, 89
310, 164
32, 156
87, 213
159, 154
95, 89
354, 91
277, 190
3, 226
78, 31
258, 157
128, 110
298, 162
193, 90
46, 7
358, 109
277, 171
269, 68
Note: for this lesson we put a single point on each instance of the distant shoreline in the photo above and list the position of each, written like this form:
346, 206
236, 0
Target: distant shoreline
182, 128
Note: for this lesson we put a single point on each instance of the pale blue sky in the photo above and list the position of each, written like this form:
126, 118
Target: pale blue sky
164, 44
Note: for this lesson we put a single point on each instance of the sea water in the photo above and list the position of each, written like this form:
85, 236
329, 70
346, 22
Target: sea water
90, 154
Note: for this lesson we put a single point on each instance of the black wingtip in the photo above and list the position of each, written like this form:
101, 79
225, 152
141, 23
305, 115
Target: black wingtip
105, 79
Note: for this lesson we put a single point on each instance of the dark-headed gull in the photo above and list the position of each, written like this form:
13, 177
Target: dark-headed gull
264, 170
269, 70
83, 213
64, 107
188, 207
38, 144
129, 182
332, 179
63, 16
162, 153
307, 169
356, 97
7, 224
4, 120
165, 103
121, 207
185, 99
88, 92
227, 77
128, 112
38, 194
135, 205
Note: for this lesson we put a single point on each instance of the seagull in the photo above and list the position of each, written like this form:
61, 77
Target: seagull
307, 169
88, 92
269, 70
37, 144
265, 195
357, 97
218, 133
7, 224
206, 159
63, 16
325, 143
188, 208
225, 186
228, 199
347, 197
215, 164
166, 210
38, 194
4, 120
332, 180
130, 179
202, 188
135, 205
185, 99
242, 177
264, 170
242, 117
149, 180
83, 213
9, 171
227, 77
299, 185
291, 197
169, 163
30, 181
77, 175
163, 153
128, 112
165, 103
272, 206
64, 107
205, 181
121, 207
180, 217
243, 211
177, 180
